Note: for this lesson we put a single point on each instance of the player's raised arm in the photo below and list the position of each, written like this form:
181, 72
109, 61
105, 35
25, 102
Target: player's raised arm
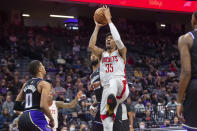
92, 42
46, 88
72, 104
116, 36
184, 44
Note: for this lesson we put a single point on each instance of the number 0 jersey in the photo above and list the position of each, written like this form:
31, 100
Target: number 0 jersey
111, 66
31, 94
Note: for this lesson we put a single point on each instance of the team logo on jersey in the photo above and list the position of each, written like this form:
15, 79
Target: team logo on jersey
110, 59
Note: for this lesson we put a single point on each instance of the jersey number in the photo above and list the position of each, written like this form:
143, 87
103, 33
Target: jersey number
28, 100
109, 68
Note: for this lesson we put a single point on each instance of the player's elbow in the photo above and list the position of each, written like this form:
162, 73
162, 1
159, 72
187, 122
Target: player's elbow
91, 46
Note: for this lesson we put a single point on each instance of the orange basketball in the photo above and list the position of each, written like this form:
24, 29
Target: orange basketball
99, 16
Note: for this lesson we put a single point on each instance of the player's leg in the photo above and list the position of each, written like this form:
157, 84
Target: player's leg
111, 97
118, 92
123, 90
108, 124
38, 119
97, 123
106, 120
25, 123
117, 125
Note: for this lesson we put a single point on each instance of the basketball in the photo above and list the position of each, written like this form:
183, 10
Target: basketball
100, 17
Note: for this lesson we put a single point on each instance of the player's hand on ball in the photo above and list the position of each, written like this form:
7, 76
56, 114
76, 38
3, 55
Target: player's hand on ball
107, 13
97, 24
179, 109
52, 123
79, 94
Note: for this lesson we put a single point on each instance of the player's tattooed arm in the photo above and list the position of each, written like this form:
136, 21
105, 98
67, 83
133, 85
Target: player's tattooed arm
92, 43
184, 45
61, 104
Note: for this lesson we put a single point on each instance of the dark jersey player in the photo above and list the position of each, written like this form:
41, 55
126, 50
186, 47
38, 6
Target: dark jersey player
97, 90
187, 94
35, 94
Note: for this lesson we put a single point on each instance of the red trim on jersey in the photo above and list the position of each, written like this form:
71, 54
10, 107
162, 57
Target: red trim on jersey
124, 73
124, 89
103, 117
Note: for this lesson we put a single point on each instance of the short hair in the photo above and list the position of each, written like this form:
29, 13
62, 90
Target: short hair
108, 34
34, 67
195, 14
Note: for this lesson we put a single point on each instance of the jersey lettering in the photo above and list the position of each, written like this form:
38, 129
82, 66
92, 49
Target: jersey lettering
109, 68
109, 59
28, 100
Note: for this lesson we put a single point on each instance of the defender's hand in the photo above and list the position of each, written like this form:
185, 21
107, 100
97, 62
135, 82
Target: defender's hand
79, 94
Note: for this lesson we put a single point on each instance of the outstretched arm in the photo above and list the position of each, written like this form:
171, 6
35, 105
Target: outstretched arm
116, 36
92, 42
72, 104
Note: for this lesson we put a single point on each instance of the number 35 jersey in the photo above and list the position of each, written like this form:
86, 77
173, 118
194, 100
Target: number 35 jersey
31, 94
111, 66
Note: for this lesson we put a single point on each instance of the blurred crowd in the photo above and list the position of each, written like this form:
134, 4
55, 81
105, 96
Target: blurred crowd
152, 70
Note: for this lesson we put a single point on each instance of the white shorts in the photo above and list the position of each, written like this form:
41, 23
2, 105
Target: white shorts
119, 88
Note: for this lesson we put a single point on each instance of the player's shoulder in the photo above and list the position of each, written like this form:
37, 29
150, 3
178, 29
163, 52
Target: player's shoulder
185, 40
44, 82
188, 35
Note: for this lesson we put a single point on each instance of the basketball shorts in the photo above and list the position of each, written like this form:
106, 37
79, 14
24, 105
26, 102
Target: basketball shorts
190, 106
33, 120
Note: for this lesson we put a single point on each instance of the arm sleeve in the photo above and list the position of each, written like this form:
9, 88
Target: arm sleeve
19, 106
116, 36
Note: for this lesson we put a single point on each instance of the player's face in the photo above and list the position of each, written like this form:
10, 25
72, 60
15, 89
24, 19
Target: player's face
94, 59
42, 69
110, 43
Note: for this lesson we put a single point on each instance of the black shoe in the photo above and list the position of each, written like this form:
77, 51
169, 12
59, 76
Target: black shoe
111, 104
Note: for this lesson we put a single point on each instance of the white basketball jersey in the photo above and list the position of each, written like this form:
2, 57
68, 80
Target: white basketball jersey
111, 66
54, 112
